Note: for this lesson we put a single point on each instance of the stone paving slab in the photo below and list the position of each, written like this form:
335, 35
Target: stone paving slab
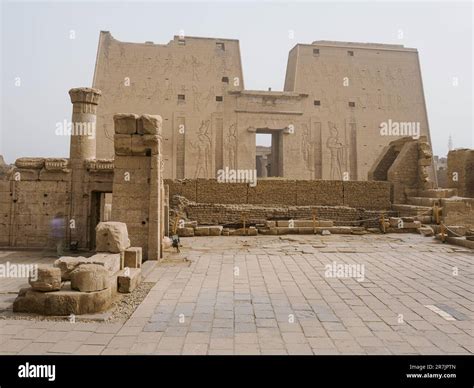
272, 295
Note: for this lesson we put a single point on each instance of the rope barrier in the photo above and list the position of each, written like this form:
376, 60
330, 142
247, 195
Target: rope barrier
452, 231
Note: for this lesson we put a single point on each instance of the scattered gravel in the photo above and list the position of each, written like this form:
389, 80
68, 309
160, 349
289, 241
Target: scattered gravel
124, 307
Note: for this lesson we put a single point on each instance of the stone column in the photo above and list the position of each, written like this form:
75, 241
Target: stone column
82, 147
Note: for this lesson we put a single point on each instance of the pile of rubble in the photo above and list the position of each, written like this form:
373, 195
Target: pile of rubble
85, 285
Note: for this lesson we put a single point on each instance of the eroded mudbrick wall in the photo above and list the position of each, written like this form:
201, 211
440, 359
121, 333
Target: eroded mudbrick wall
326, 124
367, 195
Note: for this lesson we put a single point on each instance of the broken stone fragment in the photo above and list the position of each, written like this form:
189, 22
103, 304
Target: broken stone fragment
201, 231
185, 232
33, 163
215, 230
129, 279
149, 124
47, 279
63, 302
89, 278
426, 231
132, 257
125, 123
67, 264
111, 237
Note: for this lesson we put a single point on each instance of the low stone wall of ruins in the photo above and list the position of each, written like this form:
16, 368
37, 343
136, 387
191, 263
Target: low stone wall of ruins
367, 195
228, 215
37, 190
34, 192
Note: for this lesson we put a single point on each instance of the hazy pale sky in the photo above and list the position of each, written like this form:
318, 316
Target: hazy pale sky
40, 61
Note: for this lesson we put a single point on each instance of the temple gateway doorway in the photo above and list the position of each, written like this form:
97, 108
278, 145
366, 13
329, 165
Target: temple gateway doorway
268, 153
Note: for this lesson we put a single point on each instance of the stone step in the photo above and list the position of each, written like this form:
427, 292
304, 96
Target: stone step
438, 193
279, 230
423, 201
461, 241
411, 210
303, 223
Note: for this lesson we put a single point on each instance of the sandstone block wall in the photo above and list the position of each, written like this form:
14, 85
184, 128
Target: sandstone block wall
29, 201
461, 172
137, 186
368, 195
220, 214
458, 211
210, 120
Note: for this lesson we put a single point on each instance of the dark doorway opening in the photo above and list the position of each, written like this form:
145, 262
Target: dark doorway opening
268, 151
101, 210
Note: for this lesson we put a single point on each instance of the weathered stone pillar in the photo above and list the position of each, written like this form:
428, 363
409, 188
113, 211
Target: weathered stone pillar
82, 147
137, 195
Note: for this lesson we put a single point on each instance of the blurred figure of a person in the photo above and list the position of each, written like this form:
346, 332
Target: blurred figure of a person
58, 233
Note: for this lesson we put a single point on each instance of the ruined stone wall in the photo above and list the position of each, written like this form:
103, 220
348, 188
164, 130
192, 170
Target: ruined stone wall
406, 164
367, 195
34, 193
458, 211
137, 187
461, 172
219, 214
404, 171
37, 190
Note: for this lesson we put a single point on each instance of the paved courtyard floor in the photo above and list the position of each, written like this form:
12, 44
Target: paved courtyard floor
276, 295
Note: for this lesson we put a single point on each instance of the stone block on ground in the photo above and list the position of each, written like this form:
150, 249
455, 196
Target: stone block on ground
426, 231
62, 302
90, 278
201, 231
112, 237
395, 222
47, 279
110, 261
456, 230
185, 232
411, 225
67, 264
129, 279
132, 257
358, 230
215, 230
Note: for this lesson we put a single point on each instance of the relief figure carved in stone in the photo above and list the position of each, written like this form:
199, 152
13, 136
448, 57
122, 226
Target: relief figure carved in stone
203, 147
336, 147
